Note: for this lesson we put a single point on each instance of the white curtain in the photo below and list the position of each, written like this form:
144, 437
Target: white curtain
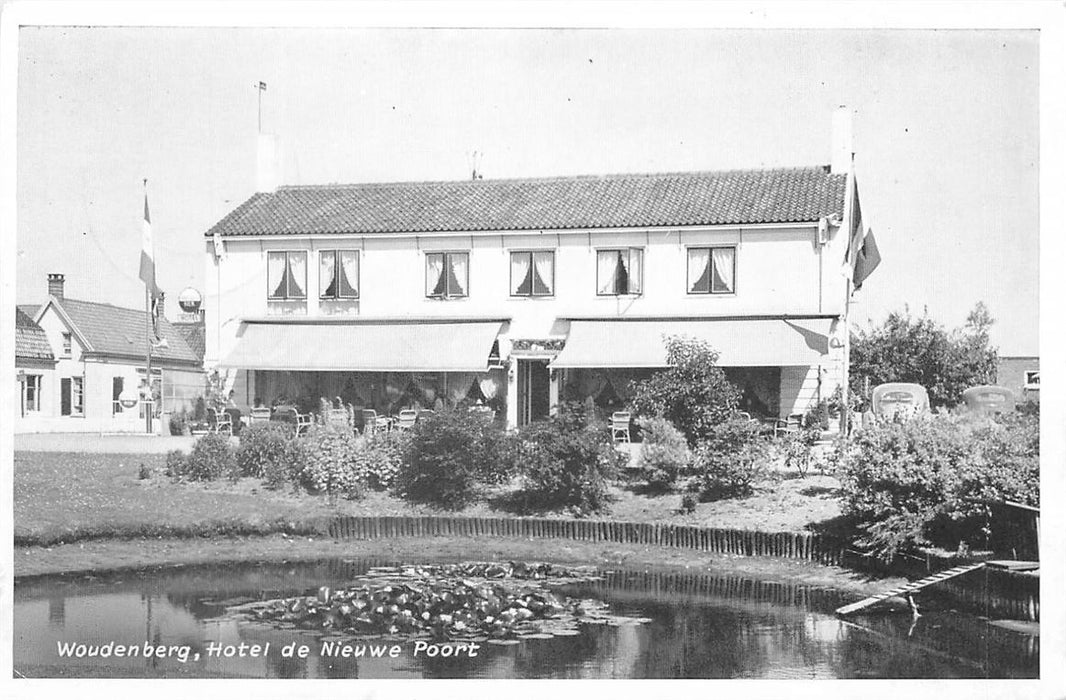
544, 263
349, 281
434, 270
606, 264
458, 386
490, 384
635, 270
723, 269
519, 272
276, 274
326, 270
698, 272
459, 272
298, 268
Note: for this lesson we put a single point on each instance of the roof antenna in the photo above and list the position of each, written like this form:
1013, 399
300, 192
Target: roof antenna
475, 161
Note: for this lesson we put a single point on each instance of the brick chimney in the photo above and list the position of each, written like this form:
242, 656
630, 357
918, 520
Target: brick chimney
55, 284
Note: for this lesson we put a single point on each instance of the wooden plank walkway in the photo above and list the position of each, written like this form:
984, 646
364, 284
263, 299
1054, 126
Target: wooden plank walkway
909, 588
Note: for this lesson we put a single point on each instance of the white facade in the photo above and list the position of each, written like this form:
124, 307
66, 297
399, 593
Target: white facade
781, 271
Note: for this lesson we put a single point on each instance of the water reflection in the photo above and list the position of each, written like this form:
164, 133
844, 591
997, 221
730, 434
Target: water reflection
701, 626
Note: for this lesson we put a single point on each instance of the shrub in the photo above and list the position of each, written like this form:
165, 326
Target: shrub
693, 393
177, 423
799, 449
565, 462
379, 459
664, 453
326, 463
145, 471
262, 452
211, 458
689, 503
175, 464
447, 459
930, 480
730, 461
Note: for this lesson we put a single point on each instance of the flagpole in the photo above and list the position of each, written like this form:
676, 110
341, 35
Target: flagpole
148, 409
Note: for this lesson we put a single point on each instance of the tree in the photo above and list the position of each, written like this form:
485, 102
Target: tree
693, 393
922, 351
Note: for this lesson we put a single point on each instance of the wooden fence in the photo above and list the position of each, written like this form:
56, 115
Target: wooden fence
791, 545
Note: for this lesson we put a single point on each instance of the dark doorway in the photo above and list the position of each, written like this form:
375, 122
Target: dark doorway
534, 401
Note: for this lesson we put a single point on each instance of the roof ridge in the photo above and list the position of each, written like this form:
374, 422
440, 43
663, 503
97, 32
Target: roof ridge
553, 178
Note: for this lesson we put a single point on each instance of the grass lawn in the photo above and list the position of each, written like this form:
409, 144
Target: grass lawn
68, 496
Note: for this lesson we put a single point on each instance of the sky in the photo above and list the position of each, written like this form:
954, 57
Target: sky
945, 135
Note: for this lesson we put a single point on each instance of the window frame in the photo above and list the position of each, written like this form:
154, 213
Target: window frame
617, 249
336, 266
68, 343
35, 380
446, 261
286, 253
710, 261
531, 252
1027, 377
76, 388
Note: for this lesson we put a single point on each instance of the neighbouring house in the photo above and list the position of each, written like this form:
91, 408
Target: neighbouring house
99, 353
520, 293
34, 372
1020, 374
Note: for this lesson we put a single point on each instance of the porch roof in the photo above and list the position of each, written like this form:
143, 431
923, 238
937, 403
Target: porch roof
762, 342
443, 346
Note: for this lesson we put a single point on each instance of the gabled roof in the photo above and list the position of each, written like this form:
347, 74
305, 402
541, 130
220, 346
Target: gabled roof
29, 309
31, 342
195, 336
778, 195
114, 331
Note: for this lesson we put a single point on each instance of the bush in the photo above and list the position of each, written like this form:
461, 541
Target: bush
730, 461
664, 453
447, 459
263, 452
930, 480
379, 459
145, 471
693, 393
177, 423
211, 458
175, 464
326, 463
565, 463
799, 449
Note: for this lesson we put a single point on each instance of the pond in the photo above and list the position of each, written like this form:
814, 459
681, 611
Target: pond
665, 624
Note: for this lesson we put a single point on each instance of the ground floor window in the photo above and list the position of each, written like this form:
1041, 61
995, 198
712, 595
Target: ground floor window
72, 396
31, 393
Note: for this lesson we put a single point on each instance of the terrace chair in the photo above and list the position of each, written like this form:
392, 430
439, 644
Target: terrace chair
620, 426
788, 426
289, 414
370, 419
406, 419
259, 415
220, 423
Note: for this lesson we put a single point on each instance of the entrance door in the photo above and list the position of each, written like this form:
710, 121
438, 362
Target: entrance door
533, 392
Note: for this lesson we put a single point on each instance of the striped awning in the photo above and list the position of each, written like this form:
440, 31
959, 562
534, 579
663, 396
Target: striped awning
739, 342
452, 346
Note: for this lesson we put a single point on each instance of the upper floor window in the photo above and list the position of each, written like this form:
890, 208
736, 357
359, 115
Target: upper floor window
619, 271
712, 270
447, 275
532, 273
287, 274
338, 274
66, 344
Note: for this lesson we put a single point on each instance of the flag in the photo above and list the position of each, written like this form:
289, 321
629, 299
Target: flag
147, 273
867, 258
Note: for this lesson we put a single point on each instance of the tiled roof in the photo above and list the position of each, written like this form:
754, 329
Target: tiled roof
29, 309
780, 195
117, 331
194, 335
31, 343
